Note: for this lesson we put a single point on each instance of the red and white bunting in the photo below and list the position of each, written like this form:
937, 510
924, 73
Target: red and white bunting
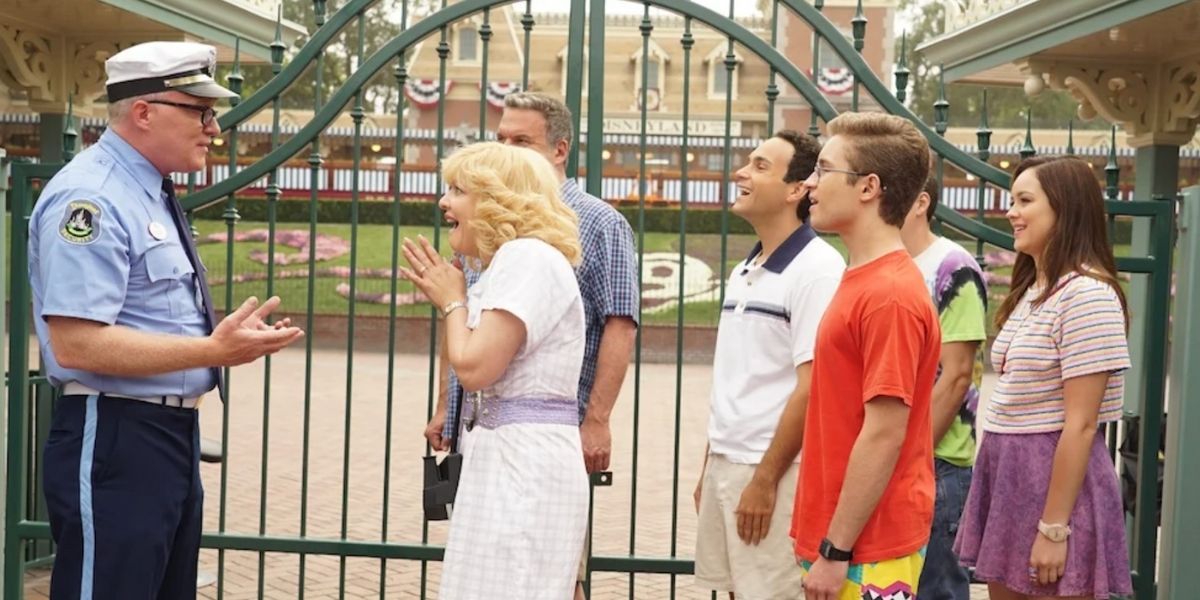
498, 90
424, 92
835, 81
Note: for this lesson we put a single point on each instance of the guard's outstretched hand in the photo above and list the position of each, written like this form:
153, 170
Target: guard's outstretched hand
244, 334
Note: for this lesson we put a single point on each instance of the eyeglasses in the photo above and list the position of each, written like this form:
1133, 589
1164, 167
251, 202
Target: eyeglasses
819, 170
207, 114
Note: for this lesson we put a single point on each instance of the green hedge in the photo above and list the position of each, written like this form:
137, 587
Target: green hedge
1122, 229
665, 219
328, 211
425, 213
662, 219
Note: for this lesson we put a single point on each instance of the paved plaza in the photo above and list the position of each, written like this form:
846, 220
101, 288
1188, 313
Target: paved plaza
657, 488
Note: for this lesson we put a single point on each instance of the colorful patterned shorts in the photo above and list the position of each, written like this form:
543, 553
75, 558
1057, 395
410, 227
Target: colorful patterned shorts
894, 579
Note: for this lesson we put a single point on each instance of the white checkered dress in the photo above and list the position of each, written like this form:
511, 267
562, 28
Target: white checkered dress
521, 513
521, 510
607, 280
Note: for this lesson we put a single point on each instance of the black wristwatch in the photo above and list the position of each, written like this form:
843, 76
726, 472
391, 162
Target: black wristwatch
831, 552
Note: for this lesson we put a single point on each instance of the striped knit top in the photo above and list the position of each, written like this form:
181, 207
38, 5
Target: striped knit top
1079, 330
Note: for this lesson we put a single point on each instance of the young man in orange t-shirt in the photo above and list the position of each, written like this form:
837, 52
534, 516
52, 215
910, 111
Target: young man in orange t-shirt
864, 504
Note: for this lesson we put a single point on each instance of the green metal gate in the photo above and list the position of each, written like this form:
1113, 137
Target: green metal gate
293, 560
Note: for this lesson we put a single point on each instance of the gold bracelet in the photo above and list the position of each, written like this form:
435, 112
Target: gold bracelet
452, 306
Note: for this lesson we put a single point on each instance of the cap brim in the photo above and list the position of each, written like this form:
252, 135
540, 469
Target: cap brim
206, 89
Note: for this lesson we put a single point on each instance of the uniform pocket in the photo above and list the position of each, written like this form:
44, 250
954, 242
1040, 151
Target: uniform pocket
60, 454
106, 462
171, 276
167, 262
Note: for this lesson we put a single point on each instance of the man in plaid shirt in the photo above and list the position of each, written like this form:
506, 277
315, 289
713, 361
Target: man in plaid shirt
607, 281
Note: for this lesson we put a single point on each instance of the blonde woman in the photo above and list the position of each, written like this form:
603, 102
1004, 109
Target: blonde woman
516, 341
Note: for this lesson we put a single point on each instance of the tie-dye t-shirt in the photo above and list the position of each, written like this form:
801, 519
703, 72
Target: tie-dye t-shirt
956, 285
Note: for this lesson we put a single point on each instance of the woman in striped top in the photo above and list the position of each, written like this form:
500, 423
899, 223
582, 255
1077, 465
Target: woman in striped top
1044, 515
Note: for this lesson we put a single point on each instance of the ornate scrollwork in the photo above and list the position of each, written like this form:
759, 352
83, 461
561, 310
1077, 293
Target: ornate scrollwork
26, 56
1118, 94
964, 13
32, 61
1154, 105
87, 70
1182, 95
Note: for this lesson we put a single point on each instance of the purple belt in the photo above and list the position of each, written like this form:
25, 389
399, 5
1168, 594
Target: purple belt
491, 413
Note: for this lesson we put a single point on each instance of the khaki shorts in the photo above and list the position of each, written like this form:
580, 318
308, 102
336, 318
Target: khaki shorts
767, 571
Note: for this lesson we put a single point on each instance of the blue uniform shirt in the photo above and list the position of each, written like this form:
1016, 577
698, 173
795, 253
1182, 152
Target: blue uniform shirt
103, 247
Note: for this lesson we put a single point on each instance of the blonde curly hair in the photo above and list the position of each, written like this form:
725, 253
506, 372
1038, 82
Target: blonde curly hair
516, 195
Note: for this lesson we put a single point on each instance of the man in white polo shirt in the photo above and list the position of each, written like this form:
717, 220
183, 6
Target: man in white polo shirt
774, 301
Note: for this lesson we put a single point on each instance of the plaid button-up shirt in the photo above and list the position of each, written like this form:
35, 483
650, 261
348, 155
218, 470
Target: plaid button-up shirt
607, 281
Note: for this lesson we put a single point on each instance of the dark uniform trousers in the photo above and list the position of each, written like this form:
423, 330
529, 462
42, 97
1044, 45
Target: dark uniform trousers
125, 500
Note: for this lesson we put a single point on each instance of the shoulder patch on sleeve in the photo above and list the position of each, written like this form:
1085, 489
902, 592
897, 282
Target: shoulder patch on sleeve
81, 223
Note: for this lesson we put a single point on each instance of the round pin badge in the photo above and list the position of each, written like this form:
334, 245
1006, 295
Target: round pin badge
158, 231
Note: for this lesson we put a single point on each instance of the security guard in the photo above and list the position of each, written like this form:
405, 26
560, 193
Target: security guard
126, 329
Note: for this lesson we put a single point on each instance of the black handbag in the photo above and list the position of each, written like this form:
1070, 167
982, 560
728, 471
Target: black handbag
441, 478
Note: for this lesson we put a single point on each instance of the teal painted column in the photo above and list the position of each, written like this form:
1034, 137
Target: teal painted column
3, 320
1155, 180
1181, 526
50, 137
1157, 176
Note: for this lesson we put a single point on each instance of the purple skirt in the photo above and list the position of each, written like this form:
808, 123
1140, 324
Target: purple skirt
1008, 493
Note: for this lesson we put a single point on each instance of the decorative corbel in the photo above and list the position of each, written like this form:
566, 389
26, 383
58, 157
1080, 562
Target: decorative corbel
87, 69
1153, 103
1182, 95
27, 57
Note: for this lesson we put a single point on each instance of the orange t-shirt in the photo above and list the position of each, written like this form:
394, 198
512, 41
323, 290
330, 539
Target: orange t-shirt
879, 337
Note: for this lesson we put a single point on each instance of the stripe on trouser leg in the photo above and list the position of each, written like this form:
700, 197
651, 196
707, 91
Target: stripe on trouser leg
86, 455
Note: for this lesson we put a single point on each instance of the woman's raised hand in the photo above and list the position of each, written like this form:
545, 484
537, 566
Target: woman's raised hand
440, 281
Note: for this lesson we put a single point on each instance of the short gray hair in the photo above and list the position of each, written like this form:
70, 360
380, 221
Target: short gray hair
117, 110
557, 115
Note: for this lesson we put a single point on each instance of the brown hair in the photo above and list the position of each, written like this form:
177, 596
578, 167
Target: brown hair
932, 189
558, 117
894, 150
805, 150
1079, 241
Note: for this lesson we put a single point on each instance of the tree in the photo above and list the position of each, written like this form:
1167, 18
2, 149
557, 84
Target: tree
1006, 105
382, 23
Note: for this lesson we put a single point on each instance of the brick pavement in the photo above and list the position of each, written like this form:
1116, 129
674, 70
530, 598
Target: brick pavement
364, 515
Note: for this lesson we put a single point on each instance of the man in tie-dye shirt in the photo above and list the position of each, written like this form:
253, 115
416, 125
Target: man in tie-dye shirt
956, 285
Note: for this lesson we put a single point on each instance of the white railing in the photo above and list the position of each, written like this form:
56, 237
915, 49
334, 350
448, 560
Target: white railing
961, 14
379, 182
